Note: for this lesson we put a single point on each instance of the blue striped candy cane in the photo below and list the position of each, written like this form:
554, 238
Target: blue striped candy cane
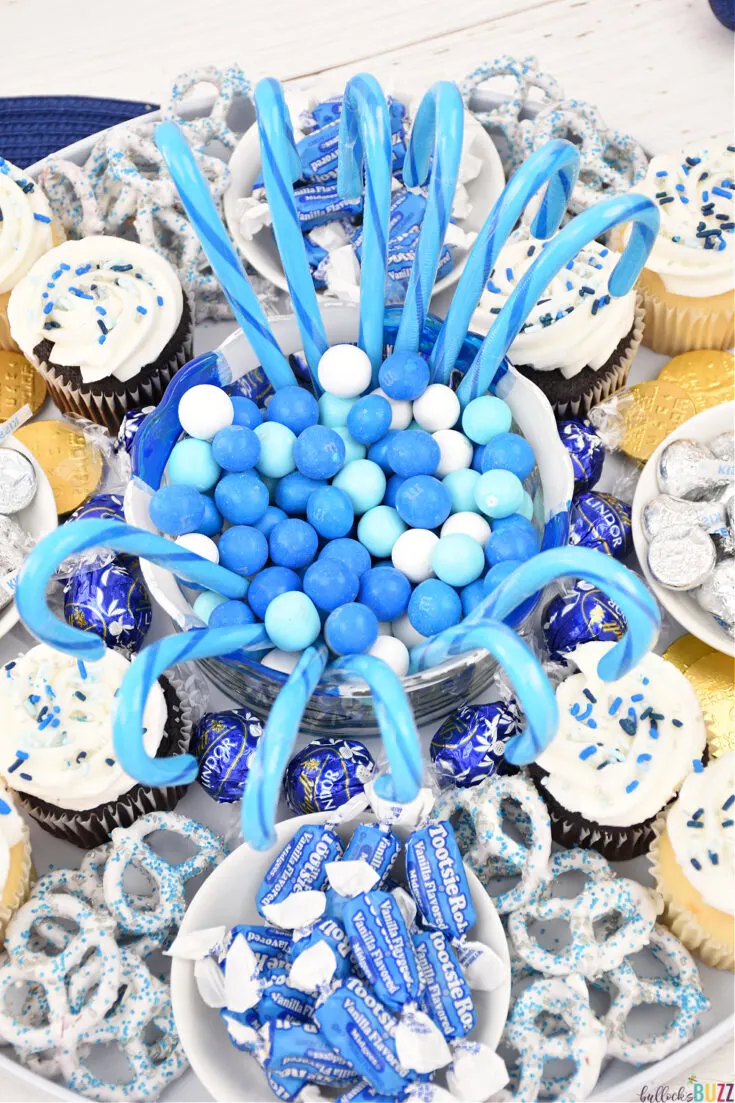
555, 165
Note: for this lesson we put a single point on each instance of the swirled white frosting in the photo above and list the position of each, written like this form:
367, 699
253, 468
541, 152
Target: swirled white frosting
622, 748
25, 225
11, 833
701, 827
576, 323
56, 734
694, 253
109, 305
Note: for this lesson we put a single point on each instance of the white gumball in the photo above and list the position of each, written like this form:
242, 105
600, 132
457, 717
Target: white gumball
204, 410
393, 652
199, 544
345, 371
456, 451
469, 524
404, 631
401, 412
412, 554
437, 408
284, 661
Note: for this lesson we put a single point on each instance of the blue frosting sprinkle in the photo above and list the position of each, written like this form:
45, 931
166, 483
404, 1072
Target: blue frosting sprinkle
590, 696
695, 863
5, 809
615, 706
729, 802
79, 695
644, 758
42, 218
82, 668
714, 858
141, 310
697, 766
584, 754
110, 761
159, 300
631, 786
637, 697
26, 777
677, 723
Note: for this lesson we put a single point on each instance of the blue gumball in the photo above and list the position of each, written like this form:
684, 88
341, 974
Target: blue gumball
518, 541
351, 629
404, 376
246, 412
369, 419
330, 583
423, 502
243, 549
378, 452
177, 509
268, 584
230, 613
413, 452
330, 512
294, 407
211, 523
391, 490
269, 520
206, 603
350, 552
471, 596
433, 607
294, 490
498, 574
236, 448
293, 543
319, 452
241, 498
509, 452
386, 591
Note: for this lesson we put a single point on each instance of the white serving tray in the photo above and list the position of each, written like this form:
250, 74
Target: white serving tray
619, 1082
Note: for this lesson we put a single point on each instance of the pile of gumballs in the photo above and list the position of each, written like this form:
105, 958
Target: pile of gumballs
374, 519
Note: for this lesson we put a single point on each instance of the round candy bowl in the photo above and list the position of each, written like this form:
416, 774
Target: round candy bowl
338, 705
681, 605
228, 897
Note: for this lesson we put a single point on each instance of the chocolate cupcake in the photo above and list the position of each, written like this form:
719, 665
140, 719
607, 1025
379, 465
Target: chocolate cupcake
620, 754
106, 323
578, 342
56, 750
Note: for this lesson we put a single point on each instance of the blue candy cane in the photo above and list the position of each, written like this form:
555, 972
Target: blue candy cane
365, 146
433, 155
637, 209
281, 166
226, 264
555, 165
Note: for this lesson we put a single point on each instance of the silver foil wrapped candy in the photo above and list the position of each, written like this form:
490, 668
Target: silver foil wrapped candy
687, 469
717, 595
18, 481
682, 557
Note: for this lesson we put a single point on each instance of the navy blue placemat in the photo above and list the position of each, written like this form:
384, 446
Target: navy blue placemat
31, 127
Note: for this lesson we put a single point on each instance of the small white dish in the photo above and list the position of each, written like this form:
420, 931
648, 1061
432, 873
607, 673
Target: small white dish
228, 897
261, 251
703, 428
38, 519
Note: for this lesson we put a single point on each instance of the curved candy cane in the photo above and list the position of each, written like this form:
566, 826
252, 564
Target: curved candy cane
226, 264
396, 723
365, 143
281, 166
638, 209
433, 155
77, 536
263, 786
622, 586
139, 679
555, 165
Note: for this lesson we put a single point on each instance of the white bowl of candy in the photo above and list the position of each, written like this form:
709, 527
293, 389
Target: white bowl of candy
682, 531
228, 898
481, 181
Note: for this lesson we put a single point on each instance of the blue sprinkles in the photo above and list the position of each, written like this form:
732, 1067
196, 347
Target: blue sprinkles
82, 668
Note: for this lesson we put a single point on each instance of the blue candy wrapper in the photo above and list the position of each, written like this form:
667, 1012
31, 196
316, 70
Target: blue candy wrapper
254, 385
581, 616
374, 843
111, 601
280, 1000
129, 427
586, 451
326, 774
470, 744
302, 1051
319, 955
438, 881
224, 745
100, 507
446, 994
382, 948
298, 869
266, 943
601, 522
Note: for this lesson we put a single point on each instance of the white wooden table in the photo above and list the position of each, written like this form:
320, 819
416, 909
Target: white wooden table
659, 69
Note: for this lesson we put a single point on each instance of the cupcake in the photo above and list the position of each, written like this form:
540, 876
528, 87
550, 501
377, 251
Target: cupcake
693, 863
56, 749
27, 231
621, 751
578, 342
15, 861
689, 278
106, 323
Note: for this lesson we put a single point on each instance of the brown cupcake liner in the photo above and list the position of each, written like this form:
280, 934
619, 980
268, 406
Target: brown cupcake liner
23, 888
680, 920
108, 407
678, 323
92, 827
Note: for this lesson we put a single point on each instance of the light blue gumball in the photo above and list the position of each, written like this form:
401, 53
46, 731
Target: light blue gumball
379, 529
458, 559
363, 482
292, 621
206, 603
333, 410
485, 417
499, 493
353, 449
191, 463
276, 449
461, 485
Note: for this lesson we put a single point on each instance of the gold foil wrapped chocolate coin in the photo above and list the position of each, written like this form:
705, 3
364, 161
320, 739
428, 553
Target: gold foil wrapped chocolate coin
707, 376
21, 385
657, 408
712, 678
72, 464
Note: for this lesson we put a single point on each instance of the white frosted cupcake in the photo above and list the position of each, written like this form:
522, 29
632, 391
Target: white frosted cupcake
578, 342
693, 862
107, 324
15, 861
689, 279
56, 748
620, 754
27, 231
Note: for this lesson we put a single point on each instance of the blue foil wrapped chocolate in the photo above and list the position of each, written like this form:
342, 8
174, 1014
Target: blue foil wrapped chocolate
112, 602
129, 427
586, 451
326, 774
224, 745
470, 744
100, 507
581, 616
601, 522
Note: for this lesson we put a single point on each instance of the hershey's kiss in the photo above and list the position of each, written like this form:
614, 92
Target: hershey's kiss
723, 446
717, 595
17, 481
681, 558
687, 469
665, 512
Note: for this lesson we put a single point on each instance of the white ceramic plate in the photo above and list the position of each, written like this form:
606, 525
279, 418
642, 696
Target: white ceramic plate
682, 606
228, 896
261, 250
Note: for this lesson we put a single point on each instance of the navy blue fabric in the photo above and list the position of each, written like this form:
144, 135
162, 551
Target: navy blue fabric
31, 127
